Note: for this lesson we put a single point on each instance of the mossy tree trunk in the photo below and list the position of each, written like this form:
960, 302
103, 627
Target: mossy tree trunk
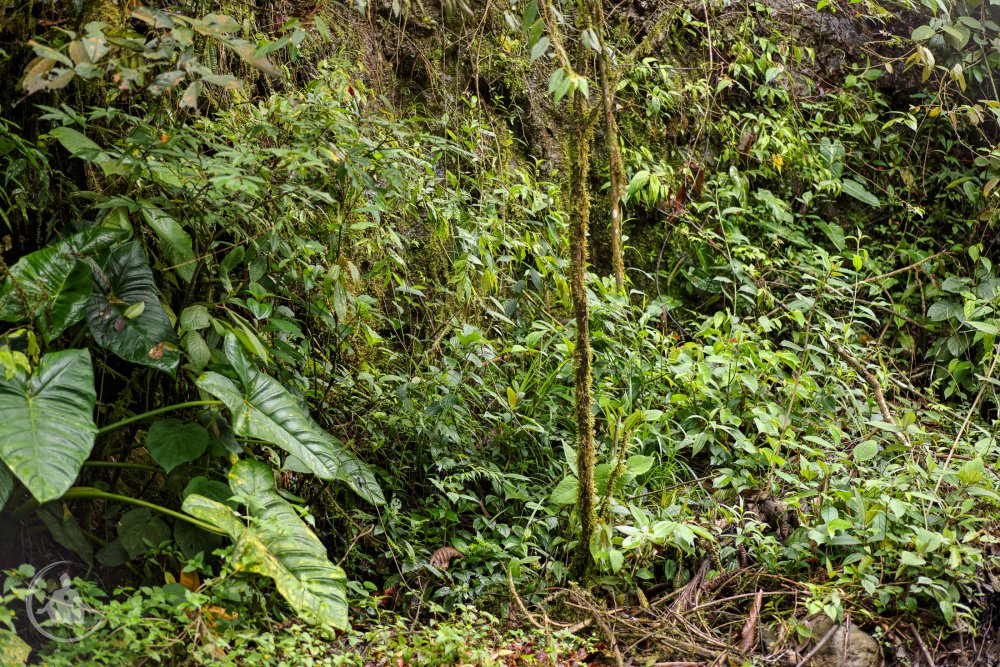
579, 166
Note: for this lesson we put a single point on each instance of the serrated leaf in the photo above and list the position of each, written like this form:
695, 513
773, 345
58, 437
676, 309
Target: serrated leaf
171, 442
47, 422
194, 318
147, 339
278, 544
197, 349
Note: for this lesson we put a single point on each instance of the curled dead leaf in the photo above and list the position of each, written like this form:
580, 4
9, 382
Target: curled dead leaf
441, 558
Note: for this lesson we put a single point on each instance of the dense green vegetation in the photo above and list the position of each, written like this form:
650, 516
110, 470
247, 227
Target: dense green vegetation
528, 333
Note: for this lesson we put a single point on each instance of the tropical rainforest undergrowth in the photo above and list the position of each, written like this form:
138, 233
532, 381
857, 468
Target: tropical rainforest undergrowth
508, 333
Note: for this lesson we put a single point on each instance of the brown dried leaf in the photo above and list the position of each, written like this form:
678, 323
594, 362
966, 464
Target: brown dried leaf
748, 638
441, 558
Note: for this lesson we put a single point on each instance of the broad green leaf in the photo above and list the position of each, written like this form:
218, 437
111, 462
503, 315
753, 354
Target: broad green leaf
66, 531
77, 143
212, 489
147, 339
262, 408
172, 442
858, 191
972, 471
565, 492
195, 318
639, 464
47, 422
278, 544
956, 36
6, 484
539, 49
865, 451
140, 529
53, 284
911, 559
176, 242
14, 651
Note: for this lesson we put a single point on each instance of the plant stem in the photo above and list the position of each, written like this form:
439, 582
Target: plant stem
78, 492
153, 413
122, 464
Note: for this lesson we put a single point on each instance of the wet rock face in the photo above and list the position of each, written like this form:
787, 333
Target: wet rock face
848, 646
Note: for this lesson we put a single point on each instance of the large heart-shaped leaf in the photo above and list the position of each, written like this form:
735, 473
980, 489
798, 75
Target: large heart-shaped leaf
47, 422
172, 442
262, 408
53, 284
6, 484
278, 544
140, 336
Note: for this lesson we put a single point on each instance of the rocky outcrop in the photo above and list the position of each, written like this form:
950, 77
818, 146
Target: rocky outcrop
841, 645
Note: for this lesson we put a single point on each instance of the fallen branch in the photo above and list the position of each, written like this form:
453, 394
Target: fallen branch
872, 382
874, 279
923, 646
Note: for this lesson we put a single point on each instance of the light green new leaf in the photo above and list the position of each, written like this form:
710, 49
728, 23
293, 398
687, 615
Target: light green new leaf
278, 544
47, 422
13, 650
146, 339
565, 492
262, 408
176, 242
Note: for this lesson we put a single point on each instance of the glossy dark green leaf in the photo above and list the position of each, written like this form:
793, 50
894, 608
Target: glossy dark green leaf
6, 484
66, 531
47, 422
278, 544
262, 408
172, 442
53, 284
147, 339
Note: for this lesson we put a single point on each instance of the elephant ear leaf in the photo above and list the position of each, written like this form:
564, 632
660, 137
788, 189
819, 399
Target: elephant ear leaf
53, 284
277, 544
47, 422
6, 484
262, 408
141, 334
